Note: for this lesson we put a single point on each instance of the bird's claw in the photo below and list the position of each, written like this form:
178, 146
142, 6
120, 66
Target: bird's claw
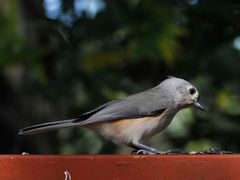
145, 152
141, 152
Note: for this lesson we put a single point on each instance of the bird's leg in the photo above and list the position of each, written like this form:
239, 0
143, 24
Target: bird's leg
144, 149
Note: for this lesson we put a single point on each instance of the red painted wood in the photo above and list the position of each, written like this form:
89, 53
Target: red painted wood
116, 167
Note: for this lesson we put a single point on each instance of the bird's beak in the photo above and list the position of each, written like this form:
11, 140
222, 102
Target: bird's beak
199, 106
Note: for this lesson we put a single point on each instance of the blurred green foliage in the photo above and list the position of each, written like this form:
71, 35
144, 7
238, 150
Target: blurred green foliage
52, 71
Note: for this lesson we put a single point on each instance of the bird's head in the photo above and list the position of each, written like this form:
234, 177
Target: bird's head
183, 93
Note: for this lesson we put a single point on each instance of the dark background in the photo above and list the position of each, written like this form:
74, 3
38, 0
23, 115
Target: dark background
59, 59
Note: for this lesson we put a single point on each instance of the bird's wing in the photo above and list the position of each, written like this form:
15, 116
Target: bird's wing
139, 105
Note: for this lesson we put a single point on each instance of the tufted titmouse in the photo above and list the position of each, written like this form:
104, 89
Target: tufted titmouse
137, 117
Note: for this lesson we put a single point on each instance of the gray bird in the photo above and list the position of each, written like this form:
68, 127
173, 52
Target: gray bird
135, 118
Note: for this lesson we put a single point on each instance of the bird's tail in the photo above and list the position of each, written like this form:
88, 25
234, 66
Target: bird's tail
39, 128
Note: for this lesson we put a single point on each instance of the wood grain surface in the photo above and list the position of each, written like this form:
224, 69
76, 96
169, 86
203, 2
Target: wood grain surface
119, 167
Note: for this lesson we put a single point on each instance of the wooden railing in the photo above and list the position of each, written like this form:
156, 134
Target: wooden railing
117, 167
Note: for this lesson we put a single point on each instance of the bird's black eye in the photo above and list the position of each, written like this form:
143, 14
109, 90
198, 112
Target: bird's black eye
192, 91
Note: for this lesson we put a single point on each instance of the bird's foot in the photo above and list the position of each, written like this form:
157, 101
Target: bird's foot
141, 152
178, 152
145, 152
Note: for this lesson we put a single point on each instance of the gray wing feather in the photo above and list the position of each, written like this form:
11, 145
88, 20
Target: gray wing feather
138, 105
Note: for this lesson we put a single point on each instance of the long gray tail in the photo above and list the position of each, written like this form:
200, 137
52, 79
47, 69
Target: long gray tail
39, 128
